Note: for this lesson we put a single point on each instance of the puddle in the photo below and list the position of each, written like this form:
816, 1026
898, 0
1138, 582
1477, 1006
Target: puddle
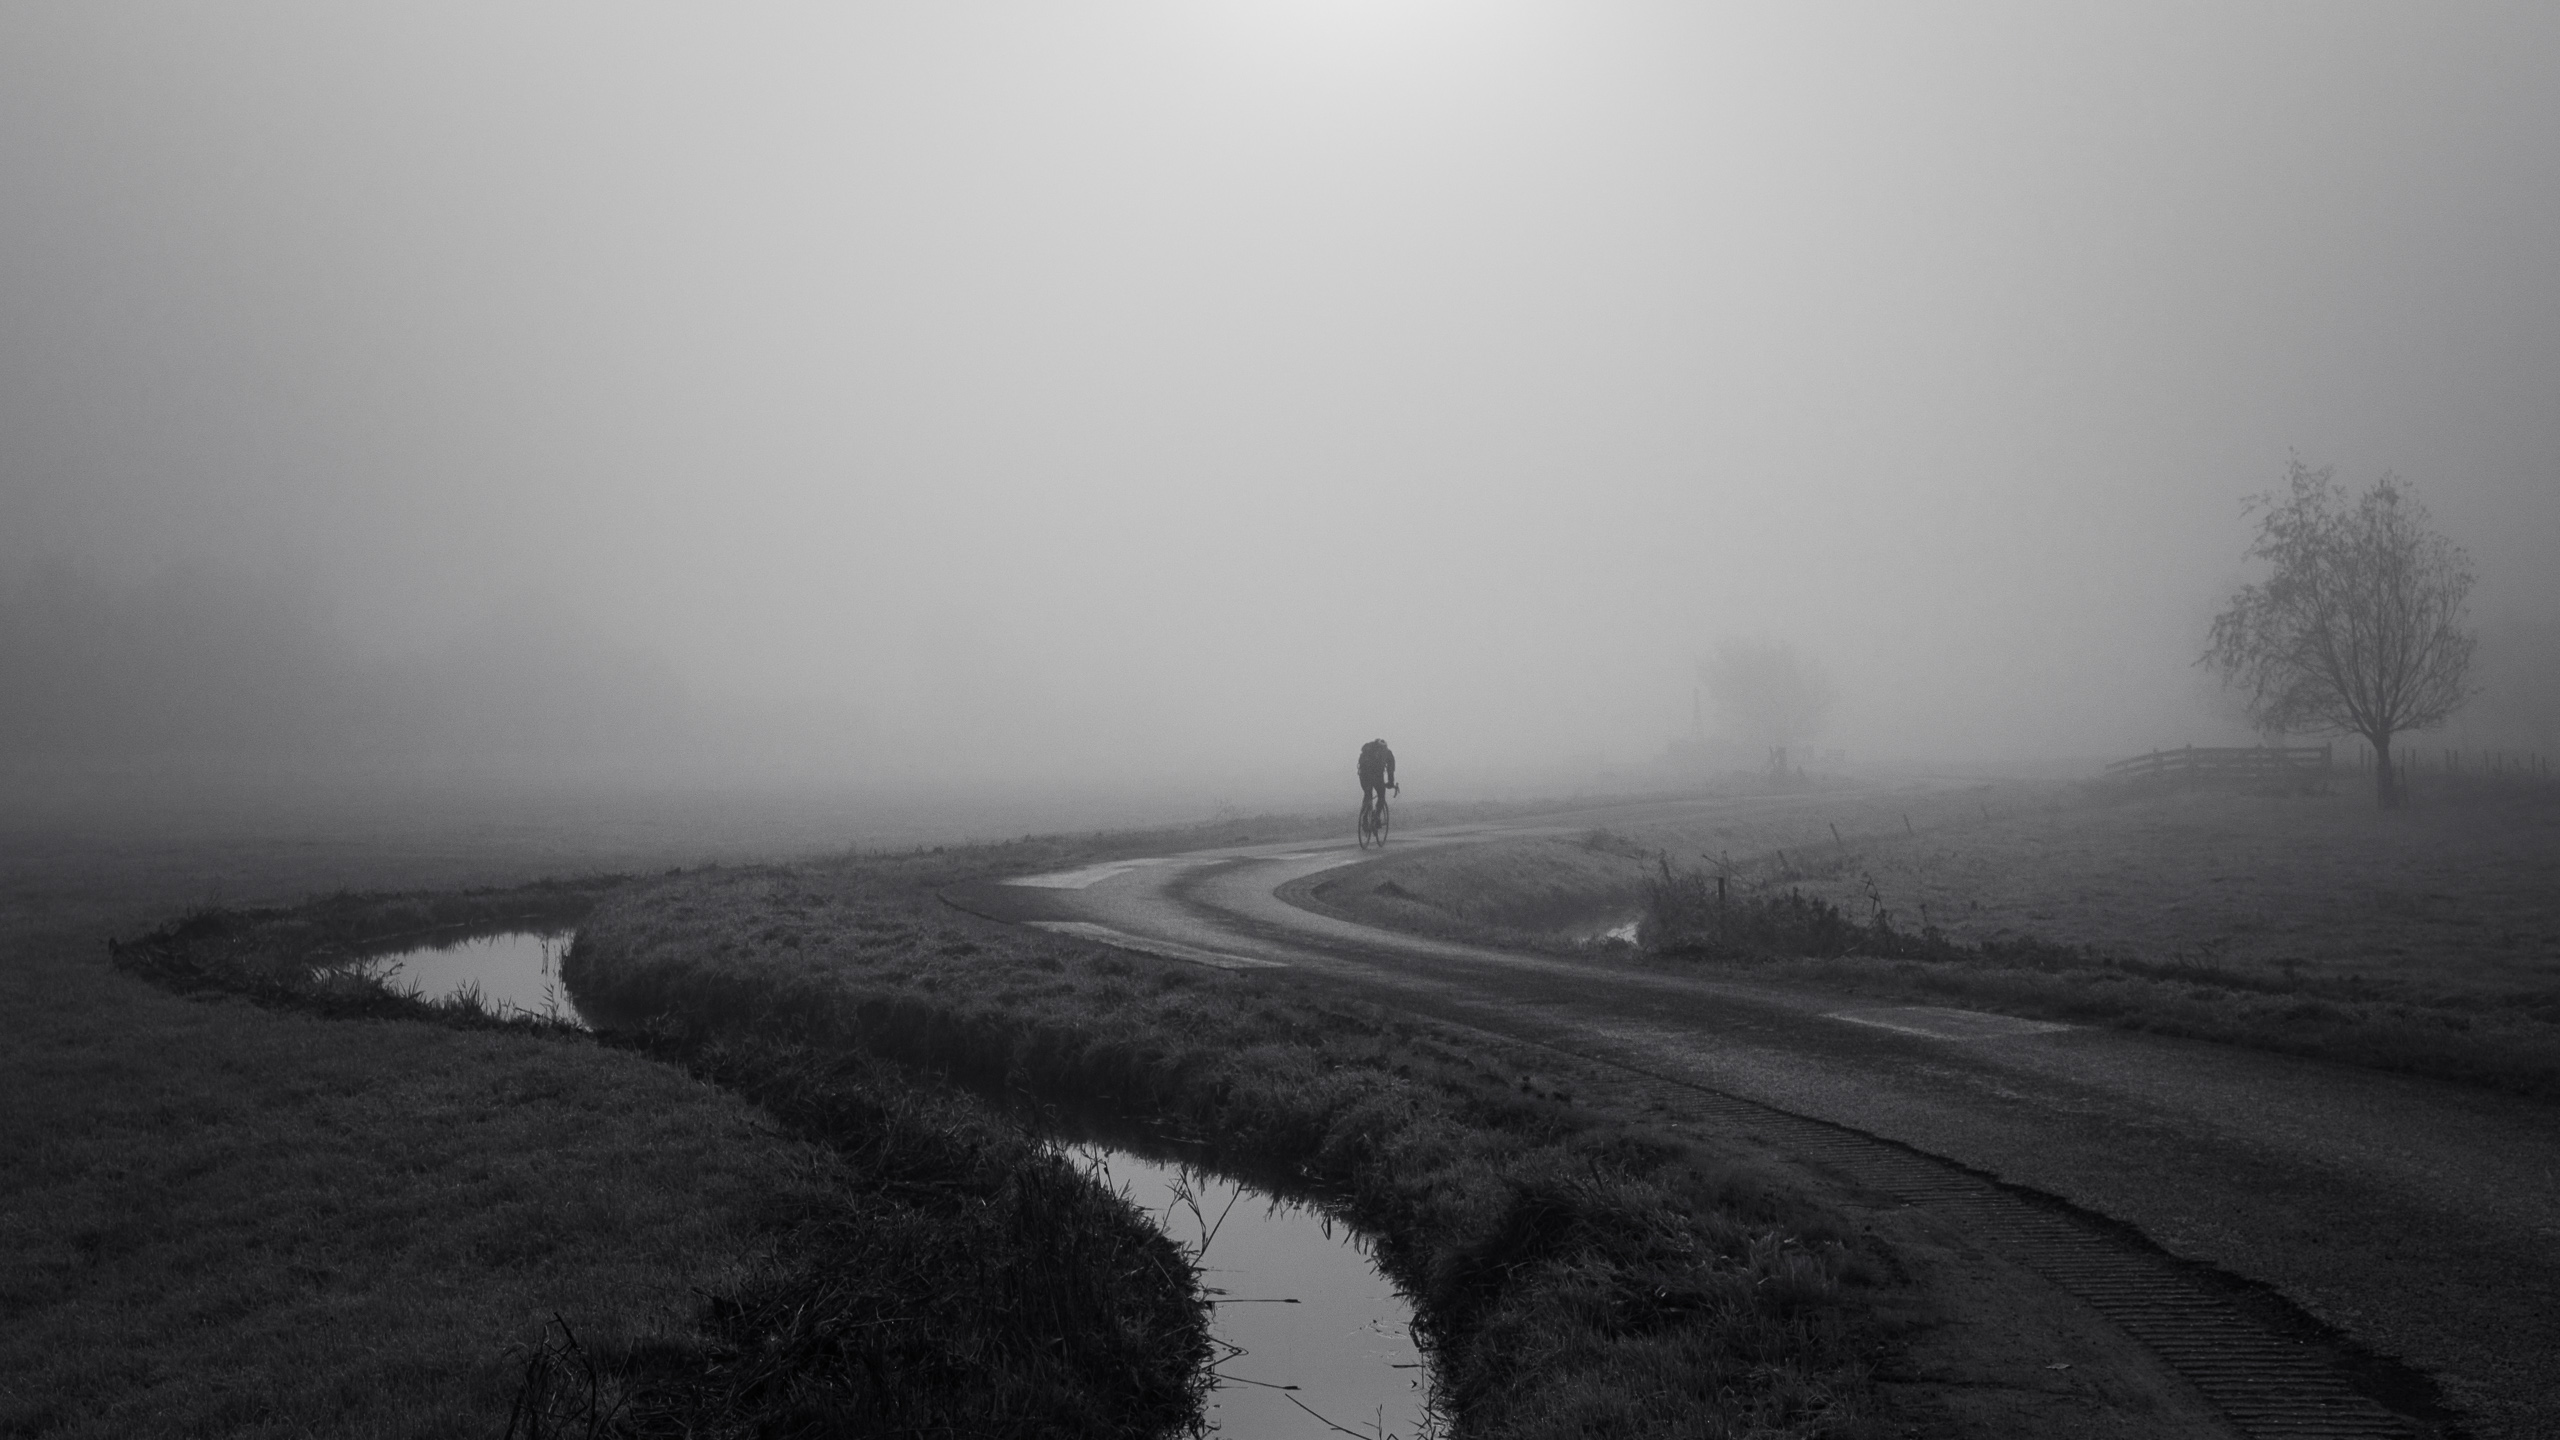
516, 973
1312, 1340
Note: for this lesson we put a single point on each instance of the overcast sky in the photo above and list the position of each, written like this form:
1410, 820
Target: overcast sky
1056, 391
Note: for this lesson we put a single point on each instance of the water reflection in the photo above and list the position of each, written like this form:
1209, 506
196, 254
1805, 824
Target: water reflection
516, 973
1312, 1340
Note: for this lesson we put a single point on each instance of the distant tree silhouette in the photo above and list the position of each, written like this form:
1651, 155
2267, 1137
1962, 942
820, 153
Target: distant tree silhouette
1767, 694
2360, 629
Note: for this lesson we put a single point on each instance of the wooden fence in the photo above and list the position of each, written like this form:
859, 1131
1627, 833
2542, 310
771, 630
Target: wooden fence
2226, 762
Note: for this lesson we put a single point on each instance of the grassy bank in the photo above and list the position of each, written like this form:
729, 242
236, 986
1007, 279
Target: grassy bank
964, 1279
1548, 893
303, 956
1578, 1271
220, 1218
1789, 935
1559, 891
2306, 924
929, 1270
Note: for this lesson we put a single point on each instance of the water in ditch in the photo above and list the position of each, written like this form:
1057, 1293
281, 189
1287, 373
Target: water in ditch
517, 972
1312, 1340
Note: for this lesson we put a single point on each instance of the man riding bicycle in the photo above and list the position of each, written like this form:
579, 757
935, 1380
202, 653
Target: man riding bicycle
1377, 777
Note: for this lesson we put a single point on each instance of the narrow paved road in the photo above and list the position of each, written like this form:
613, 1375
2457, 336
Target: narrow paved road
2420, 1219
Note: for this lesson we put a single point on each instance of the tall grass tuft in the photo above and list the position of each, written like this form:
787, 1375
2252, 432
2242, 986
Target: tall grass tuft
1694, 913
563, 1395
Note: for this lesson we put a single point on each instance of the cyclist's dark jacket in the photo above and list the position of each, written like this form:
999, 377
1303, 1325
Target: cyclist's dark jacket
1377, 765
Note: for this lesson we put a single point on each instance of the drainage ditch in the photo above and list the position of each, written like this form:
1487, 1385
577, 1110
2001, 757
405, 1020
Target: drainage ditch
1311, 1336
513, 972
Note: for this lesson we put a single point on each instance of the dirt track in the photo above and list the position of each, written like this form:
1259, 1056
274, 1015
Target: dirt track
2421, 1220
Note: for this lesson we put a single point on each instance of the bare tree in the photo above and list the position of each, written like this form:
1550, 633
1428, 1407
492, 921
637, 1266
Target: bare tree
2359, 631
1768, 694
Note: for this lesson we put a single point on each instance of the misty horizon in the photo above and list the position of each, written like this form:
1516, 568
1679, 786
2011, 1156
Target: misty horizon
1173, 398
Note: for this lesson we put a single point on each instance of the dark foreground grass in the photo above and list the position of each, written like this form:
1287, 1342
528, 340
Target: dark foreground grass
1578, 1272
221, 1218
966, 1280
933, 1272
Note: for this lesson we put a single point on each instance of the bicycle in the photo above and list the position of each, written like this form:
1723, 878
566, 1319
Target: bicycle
1373, 823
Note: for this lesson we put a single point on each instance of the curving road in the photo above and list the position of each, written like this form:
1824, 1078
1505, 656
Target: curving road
2421, 1220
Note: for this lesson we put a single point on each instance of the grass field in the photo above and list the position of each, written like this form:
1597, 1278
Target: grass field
231, 1218
226, 1217
1581, 1272
1560, 891
938, 1273
2457, 904
2313, 923
219, 1217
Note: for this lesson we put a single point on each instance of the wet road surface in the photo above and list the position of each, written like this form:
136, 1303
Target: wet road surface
2420, 1219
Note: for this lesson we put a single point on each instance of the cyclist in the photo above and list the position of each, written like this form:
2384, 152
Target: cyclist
1377, 777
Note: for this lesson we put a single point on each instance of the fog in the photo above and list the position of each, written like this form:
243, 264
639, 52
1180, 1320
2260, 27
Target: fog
1177, 395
